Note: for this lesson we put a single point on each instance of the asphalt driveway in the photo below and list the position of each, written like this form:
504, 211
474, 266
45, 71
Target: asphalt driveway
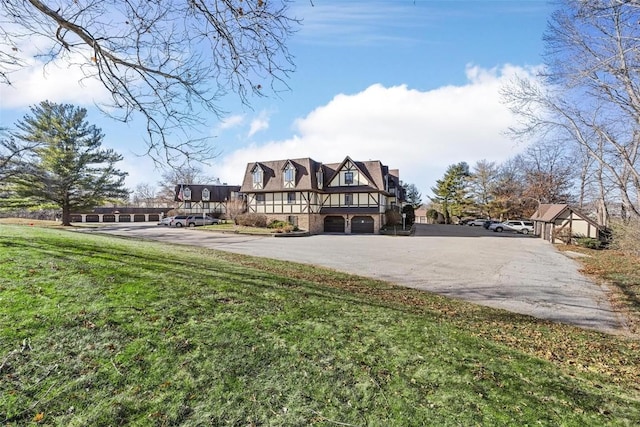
519, 273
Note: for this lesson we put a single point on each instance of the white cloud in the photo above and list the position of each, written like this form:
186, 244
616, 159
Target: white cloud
419, 132
57, 82
231, 122
259, 123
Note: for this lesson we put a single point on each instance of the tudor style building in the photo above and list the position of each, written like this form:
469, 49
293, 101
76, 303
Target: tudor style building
215, 200
346, 197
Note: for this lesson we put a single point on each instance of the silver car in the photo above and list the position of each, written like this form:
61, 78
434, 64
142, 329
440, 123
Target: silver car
196, 220
524, 227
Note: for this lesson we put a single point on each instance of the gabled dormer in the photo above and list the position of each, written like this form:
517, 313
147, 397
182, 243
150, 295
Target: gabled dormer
257, 174
289, 175
206, 194
186, 192
348, 174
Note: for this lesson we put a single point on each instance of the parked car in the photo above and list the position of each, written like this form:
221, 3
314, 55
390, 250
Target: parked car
196, 220
179, 221
524, 227
488, 223
166, 221
476, 222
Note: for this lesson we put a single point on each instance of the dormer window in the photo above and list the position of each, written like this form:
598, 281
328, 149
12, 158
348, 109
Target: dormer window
348, 178
320, 178
258, 177
206, 194
289, 175
187, 193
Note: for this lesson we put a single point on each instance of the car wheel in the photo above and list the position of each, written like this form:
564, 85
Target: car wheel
192, 224
525, 231
499, 229
178, 224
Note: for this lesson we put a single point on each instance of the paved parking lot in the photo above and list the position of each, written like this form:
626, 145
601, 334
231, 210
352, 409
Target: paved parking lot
519, 273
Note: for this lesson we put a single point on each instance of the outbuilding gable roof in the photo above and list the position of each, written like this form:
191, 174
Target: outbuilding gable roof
551, 212
548, 212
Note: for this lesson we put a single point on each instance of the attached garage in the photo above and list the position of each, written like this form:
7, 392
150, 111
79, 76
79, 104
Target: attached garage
334, 224
362, 225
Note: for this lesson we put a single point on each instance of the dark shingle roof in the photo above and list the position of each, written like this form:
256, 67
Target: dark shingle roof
218, 193
306, 179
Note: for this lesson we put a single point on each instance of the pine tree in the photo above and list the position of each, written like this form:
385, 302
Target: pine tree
64, 163
451, 192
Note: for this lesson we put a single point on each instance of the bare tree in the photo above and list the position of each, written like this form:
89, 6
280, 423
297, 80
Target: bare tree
144, 195
169, 61
234, 208
589, 93
548, 173
507, 198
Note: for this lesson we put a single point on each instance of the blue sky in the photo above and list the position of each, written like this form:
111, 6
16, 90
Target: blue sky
414, 84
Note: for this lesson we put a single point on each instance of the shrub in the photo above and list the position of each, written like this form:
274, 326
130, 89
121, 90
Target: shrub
277, 224
252, 220
588, 242
282, 226
626, 236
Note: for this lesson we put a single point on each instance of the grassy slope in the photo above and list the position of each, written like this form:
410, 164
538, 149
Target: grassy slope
102, 331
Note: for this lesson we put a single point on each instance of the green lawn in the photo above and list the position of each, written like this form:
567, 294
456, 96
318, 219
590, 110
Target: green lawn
104, 331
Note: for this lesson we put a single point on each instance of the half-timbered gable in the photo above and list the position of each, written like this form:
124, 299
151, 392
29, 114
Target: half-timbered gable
321, 197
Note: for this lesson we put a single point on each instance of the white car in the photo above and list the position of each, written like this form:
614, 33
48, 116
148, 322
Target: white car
476, 223
166, 221
524, 227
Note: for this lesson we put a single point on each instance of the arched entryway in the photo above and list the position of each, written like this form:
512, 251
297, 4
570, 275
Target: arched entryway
334, 224
362, 225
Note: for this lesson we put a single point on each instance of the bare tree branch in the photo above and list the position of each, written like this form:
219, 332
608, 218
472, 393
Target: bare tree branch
169, 61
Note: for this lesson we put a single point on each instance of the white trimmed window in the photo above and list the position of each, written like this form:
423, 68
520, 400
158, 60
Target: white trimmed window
291, 197
187, 193
289, 174
348, 178
348, 199
257, 177
206, 194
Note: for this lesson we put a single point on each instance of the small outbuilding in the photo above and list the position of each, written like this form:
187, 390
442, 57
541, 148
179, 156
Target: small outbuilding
562, 222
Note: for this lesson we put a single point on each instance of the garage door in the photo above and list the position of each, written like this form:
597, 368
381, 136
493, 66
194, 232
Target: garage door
362, 224
334, 224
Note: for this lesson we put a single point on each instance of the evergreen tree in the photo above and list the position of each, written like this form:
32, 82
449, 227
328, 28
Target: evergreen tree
412, 195
451, 192
63, 162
